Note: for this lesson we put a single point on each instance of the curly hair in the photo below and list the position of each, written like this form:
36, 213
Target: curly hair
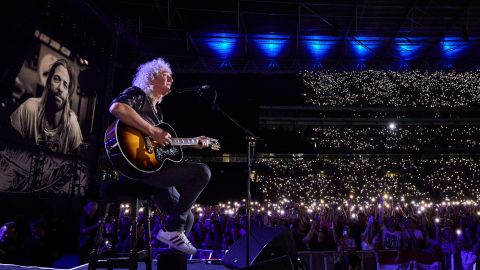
146, 72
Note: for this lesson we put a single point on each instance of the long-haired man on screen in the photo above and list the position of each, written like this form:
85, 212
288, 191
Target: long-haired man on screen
48, 121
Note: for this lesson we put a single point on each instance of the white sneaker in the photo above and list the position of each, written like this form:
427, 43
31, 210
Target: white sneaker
176, 240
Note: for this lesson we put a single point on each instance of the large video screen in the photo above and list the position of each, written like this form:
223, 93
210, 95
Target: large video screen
45, 120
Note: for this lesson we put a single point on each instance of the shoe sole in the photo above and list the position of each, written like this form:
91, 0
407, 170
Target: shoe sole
172, 245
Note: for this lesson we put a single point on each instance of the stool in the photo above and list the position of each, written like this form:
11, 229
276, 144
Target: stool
113, 192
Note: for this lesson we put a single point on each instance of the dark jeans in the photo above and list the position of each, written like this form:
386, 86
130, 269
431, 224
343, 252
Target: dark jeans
179, 185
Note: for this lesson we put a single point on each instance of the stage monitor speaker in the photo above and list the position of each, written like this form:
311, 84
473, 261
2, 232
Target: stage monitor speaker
281, 263
266, 243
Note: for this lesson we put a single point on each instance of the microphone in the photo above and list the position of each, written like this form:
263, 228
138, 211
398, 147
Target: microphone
196, 89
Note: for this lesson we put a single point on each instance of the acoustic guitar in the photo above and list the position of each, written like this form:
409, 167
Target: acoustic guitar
136, 155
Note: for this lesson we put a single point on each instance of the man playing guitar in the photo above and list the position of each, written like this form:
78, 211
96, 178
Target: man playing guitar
179, 183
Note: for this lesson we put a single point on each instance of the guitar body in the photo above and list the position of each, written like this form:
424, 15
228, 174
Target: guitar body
134, 154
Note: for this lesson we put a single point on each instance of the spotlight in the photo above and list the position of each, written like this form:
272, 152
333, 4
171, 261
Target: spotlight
392, 126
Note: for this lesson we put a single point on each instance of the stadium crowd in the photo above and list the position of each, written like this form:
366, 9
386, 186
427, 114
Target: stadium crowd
397, 89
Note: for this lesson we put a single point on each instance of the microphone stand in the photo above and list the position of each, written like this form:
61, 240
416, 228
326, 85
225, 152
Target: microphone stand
251, 140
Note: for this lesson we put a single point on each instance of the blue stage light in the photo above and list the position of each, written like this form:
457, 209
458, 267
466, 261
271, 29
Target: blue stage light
361, 50
222, 44
270, 45
319, 46
364, 47
453, 47
410, 48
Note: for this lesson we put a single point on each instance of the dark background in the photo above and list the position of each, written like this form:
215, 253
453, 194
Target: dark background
117, 36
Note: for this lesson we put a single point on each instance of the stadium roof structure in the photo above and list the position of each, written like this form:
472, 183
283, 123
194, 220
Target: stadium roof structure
286, 36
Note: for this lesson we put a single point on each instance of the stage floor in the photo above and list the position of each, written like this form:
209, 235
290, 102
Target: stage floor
141, 266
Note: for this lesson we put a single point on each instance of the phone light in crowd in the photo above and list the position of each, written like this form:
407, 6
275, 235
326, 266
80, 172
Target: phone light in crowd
459, 232
127, 211
437, 220
351, 196
354, 215
199, 209
385, 196
402, 199
309, 211
269, 213
478, 213
201, 214
282, 212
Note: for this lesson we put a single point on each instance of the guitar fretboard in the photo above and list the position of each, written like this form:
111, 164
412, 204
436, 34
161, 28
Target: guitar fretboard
184, 141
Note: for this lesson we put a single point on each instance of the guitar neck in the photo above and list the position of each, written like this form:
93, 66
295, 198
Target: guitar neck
184, 141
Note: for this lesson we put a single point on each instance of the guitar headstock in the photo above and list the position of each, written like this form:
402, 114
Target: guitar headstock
213, 144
